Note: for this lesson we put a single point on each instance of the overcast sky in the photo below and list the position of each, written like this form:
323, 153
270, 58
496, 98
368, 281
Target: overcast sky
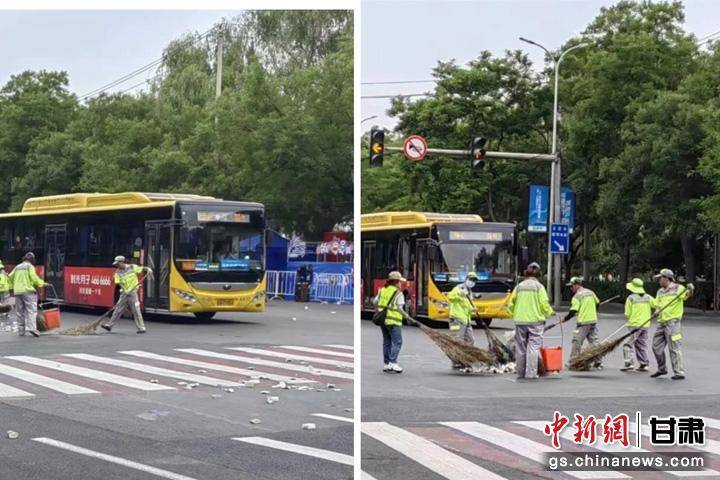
403, 40
94, 47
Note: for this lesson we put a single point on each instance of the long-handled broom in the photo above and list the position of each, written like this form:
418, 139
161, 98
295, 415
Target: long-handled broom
89, 329
591, 355
550, 327
458, 352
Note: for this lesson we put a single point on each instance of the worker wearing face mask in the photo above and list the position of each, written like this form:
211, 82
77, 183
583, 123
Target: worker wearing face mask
461, 309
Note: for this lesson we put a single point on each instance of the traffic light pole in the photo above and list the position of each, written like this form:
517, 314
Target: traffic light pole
542, 157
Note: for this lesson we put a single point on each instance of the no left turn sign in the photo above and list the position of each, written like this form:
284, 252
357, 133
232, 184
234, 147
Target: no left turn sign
415, 148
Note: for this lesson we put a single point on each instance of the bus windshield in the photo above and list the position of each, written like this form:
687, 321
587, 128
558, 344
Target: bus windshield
490, 258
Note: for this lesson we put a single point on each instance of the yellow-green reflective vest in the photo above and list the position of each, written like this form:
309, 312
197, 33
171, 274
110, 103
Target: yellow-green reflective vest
393, 318
529, 303
460, 306
4, 282
127, 277
638, 310
585, 303
665, 296
24, 279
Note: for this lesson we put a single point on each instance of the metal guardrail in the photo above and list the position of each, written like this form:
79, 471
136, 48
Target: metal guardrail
325, 287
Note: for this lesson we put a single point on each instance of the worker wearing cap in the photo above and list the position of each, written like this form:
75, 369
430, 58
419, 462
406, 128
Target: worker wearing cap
25, 282
126, 276
4, 290
583, 304
638, 310
461, 309
529, 308
391, 297
670, 299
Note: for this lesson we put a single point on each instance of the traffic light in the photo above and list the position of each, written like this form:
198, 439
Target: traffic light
477, 152
377, 147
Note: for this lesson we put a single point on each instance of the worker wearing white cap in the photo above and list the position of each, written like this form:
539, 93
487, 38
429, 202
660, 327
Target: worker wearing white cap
126, 276
583, 304
392, 300
670, 298
638, 310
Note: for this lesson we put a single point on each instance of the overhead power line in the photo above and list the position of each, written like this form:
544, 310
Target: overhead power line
398, 82
143, 69
708, 36
397, 95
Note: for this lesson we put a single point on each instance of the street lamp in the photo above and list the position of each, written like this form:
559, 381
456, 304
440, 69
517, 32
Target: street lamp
555, 172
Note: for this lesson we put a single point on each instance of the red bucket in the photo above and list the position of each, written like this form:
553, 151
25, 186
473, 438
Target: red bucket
51, 314
552, 358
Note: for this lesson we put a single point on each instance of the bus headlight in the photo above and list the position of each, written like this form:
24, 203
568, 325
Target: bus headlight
259, 297
187, 296
440, 304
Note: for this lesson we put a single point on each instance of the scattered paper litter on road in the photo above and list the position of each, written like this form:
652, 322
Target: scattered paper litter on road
309, 426
154, 380
294, 319
271, 400
12, 435
330, 385
216, 395
255, 421
264, 392
280, 384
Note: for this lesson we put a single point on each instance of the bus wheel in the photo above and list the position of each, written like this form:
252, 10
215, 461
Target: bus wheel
204, 315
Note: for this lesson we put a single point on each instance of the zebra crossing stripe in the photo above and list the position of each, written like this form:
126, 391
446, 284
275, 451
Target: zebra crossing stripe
426, 453
366, 476
275, 353
212, 366
112, 459
711, 446
318, 350
333, 417
269, 363
612, 448
299, 449
7, 391
341, 347
43, 381
91, 373
163, 372
712, 422
520, 445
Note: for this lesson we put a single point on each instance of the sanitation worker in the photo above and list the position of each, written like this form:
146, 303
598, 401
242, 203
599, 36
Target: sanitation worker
391, 297
461, 310
583, 304
25, 282
126, 276
670, 298
529, 308
638, 310
4, 290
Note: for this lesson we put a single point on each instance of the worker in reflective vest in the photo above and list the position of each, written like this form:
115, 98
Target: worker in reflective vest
671, 298
391, 297
583, 304
638, 310
25, 282
126, 276
529, 308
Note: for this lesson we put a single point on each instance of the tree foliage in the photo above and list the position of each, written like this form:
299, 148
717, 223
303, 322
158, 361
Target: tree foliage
280, 133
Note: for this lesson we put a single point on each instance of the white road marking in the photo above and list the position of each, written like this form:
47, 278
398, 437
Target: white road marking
163, 372
269, 363
426, 453
616, 448
213, 366
112, 459
318, 350
521, 446
333, 417
366, 476
712, 422
711, 446
275, 353
7, 391
342, 347
91, 373
299, 449
43, 381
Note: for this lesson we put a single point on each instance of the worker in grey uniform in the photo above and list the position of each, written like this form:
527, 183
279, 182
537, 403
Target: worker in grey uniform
126, 276
25, 282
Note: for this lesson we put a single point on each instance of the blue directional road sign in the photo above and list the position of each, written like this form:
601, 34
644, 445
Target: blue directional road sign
559, 238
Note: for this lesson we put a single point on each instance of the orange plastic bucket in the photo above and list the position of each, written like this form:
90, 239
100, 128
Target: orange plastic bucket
552, 358
52, 317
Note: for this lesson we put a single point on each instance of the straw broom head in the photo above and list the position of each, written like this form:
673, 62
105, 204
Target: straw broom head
459, 352
590, 356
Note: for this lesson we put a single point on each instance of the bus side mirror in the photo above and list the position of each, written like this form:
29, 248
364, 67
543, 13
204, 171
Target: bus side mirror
524, 258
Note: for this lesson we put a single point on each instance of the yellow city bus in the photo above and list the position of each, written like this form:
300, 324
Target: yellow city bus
208, 255
434, 252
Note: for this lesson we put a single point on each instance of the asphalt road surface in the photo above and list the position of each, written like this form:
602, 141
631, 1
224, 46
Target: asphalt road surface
432, 423
177, 403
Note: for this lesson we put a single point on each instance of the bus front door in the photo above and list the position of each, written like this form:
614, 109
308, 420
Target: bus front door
55, 259
423, 256
157, 257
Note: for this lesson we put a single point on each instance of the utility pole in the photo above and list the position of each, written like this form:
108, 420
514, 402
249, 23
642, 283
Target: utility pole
555, 267
218, 68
